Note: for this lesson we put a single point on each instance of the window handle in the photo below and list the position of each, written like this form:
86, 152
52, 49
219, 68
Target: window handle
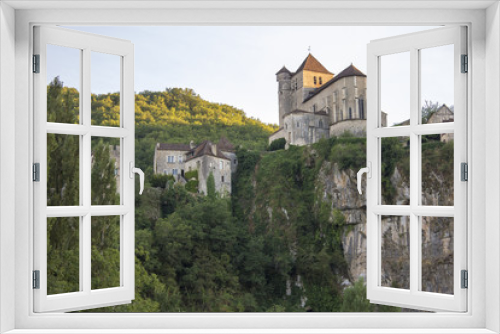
134, 170
368, 171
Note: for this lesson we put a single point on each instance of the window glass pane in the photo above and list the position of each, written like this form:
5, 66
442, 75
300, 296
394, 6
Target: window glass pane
105, 252
395, 171
437, 169
437, 254
63, 84
395, 89
63, 255
437, 84
63, 165
105, 175
105, 88
395, 231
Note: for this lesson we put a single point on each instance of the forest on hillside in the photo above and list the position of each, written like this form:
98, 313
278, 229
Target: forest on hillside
209, 253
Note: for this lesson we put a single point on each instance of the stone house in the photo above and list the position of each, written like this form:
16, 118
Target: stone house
314, 103
443, 115
170, 158
207, 157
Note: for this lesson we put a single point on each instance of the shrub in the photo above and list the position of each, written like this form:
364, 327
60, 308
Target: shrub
193, 174
160, 180
278, 144
192, 186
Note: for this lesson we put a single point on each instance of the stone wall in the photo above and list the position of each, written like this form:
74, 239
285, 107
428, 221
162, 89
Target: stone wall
357, 127
304, 128
277, 135
161, 164
208, 164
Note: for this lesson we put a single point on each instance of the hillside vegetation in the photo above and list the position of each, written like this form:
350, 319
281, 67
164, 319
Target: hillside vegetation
276, 245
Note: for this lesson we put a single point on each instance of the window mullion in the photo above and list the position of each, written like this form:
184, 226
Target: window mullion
85, 175
414, 172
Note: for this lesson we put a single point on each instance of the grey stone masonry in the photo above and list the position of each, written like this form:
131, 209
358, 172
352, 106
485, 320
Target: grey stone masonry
312, 101
207, 157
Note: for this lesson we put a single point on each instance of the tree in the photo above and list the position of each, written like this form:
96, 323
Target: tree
428, 110
278, 144
211, 186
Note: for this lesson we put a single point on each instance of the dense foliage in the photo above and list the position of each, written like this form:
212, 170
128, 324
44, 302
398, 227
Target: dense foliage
277, 144
275, 245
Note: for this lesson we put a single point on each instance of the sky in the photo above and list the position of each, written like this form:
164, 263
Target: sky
237, 65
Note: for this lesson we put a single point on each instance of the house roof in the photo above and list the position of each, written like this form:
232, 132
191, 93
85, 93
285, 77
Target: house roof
225, 145
312, 64
349, 71
173, 147
205, 148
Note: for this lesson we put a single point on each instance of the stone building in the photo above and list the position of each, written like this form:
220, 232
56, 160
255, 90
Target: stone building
314, 103
443, 115
207, 157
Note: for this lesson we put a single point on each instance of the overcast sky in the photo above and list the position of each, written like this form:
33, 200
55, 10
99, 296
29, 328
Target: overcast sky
237, 65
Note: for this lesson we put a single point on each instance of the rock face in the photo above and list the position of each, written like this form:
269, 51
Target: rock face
339, 188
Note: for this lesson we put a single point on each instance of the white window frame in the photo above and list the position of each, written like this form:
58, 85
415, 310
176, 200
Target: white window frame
484, 102
413, 43
86, 297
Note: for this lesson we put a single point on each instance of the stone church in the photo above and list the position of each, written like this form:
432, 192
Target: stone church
315, 103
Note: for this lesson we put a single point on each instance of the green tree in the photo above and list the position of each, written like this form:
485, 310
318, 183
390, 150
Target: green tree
278, 144
211, 186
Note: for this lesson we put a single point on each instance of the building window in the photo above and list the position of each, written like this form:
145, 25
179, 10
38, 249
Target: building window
321, 123
222, 179
286, 126
180, 159
320, 80
170, 159
361, 109
298, 124
350, 113
221, 164
174, 172
235, 161
314, 107
165, 171
314, 80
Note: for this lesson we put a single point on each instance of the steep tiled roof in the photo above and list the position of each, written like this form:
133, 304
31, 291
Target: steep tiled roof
349, 71
225, 145
205, 148
312, 64
173, 147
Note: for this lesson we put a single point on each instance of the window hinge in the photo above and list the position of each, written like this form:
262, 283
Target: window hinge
464, 171
36, 63
465, 279
36, 172
36, 279
465, 64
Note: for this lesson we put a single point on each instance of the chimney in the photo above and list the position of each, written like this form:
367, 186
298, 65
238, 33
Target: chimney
191, 144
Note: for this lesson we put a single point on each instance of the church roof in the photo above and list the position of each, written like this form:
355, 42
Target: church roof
284, 70
173, 147
206, 148
349, 71
312, 64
